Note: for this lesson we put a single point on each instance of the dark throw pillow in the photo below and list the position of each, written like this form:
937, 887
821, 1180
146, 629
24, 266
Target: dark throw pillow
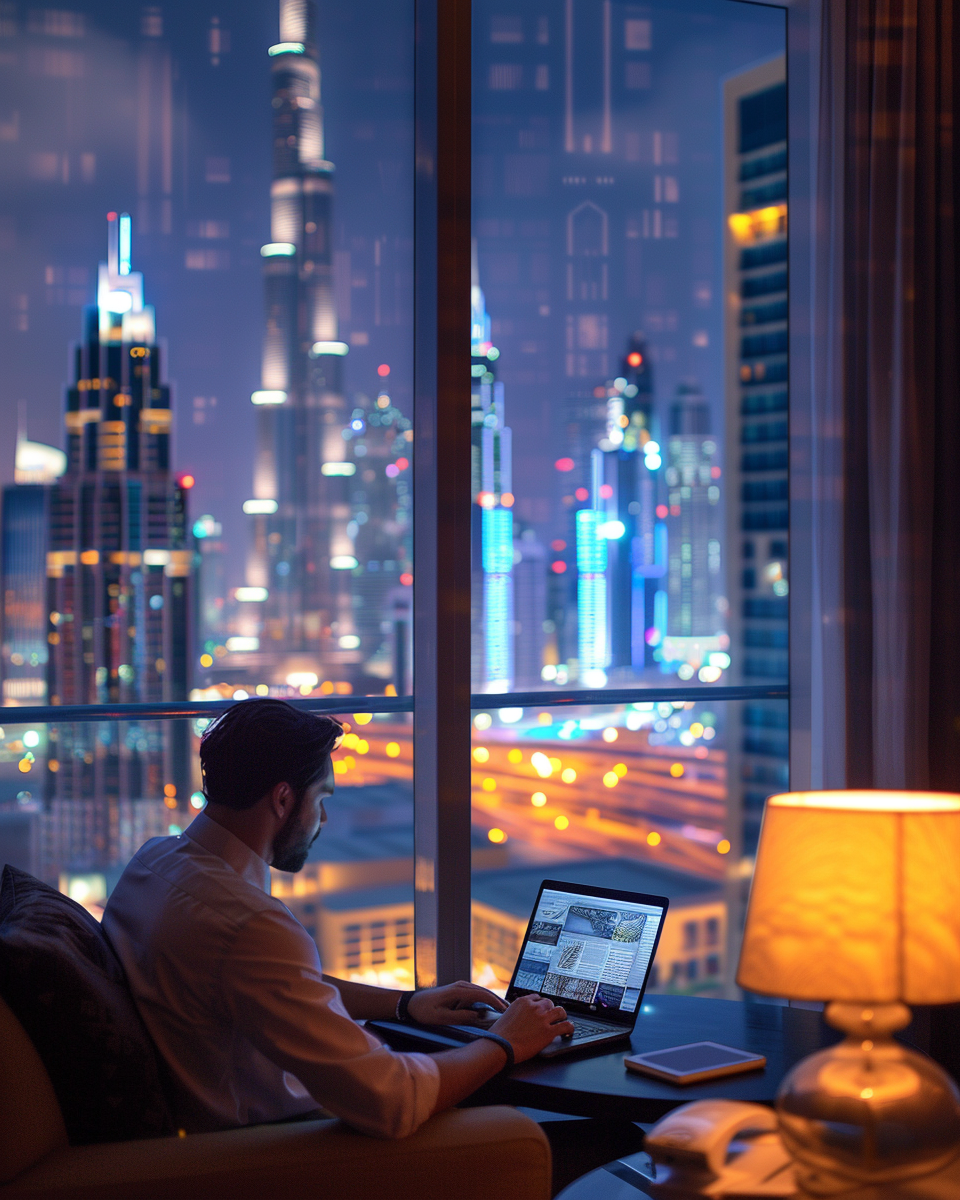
61, 978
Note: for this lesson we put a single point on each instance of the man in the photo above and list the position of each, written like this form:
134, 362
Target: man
229, 984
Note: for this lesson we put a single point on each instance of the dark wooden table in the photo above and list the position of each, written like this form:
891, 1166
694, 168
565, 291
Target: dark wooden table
599, 1085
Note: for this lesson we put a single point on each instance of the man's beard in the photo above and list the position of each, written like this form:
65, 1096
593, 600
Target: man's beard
292, 845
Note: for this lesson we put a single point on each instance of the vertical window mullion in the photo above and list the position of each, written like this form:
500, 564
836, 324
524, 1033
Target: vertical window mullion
441, 523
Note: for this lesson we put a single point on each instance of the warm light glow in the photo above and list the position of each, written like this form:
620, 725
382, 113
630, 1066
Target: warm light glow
515, 756
541, 764
610, 734
255, 508
255, 595
482, 721
620, 769
269, 397
696, 729
676, 770
611, 779
653, 838
187, 481
568, 775
723, 846
206, 660
338, 348
481, 754
869, 801
393, 749
363, 718
538, 799
562, 823
856, 897
497, 836
303, 678
489, 785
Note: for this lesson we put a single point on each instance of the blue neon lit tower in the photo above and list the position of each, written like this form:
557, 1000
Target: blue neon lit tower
593, 648
492, 490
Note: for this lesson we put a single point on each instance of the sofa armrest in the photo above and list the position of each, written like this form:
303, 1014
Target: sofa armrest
470, 1154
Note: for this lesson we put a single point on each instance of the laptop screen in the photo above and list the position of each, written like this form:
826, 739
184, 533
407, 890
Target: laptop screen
590, 950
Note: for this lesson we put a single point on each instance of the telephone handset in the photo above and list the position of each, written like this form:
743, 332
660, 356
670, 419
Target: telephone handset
719, 1148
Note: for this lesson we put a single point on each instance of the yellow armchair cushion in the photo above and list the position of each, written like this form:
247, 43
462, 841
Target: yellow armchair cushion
472, 1154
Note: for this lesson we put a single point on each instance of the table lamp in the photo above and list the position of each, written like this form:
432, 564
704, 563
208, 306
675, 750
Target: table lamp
856, 901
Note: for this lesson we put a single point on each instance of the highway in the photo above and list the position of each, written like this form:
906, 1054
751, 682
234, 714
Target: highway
582, 798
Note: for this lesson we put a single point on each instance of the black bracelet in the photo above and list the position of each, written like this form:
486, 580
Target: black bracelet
403, 1004
501, 1042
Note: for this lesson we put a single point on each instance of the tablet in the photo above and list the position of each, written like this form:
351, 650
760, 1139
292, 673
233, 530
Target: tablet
695, 1062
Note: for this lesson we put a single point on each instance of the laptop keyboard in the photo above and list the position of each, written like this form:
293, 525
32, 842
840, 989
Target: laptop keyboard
583, 1027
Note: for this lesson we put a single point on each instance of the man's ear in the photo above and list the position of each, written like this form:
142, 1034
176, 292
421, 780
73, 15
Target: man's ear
281, 800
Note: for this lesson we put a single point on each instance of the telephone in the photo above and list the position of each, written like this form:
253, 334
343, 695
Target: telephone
719, 1148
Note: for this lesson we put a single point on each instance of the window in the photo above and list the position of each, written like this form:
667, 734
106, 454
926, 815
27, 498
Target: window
224, 505
629, 426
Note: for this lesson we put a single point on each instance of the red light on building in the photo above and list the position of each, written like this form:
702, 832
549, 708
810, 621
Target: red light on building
662, 511
564, 464
715, 472
558, 544
383, 370
403, 463
111, 216
558, 567
187, 481
606, 491
581, 493
406, 579
674, 510
635, 359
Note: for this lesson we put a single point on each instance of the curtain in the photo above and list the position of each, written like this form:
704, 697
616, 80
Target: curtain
886, 400
887, 382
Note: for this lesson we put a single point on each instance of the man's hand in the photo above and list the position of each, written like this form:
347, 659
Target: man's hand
530, 1024
450, 1005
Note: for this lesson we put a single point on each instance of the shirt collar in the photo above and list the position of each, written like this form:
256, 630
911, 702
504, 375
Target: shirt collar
207, 833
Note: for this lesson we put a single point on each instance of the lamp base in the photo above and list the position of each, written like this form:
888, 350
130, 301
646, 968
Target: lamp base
868, 1110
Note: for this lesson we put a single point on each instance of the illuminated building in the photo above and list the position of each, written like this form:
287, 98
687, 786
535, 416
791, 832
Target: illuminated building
119, 570
492, 493
639, 554
26, 502
695, 639
593, 650
211, 585
381, 525
530, 609
303, 553
755, 266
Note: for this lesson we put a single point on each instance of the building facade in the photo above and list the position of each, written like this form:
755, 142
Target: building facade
756, 469
119, 579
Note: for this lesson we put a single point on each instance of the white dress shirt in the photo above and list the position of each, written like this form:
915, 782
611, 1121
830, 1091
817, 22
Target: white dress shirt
230, 987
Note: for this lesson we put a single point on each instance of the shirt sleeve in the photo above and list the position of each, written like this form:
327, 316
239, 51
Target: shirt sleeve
274, 989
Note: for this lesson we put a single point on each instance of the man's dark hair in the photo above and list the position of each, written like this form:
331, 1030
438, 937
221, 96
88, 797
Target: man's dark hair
260, 743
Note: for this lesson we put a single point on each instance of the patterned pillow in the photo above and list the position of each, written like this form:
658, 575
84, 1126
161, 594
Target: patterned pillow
61, 978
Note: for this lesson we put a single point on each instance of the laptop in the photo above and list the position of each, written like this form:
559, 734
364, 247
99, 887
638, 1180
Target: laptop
589, 949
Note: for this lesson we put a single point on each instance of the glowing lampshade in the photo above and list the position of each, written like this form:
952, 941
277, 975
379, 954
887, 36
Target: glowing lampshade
856, 897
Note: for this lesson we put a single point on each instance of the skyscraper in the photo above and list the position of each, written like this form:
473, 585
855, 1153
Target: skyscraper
492, 494
755, 284
119, 570
696, 639
25, 520
303, 552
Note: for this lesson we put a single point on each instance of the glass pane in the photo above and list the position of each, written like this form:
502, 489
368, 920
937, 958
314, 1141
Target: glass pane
629, 344
658, 798
77, 800
209, 264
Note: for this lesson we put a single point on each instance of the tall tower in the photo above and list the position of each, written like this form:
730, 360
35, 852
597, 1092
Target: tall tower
303, 552
120, 562
695, 635
492, 492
